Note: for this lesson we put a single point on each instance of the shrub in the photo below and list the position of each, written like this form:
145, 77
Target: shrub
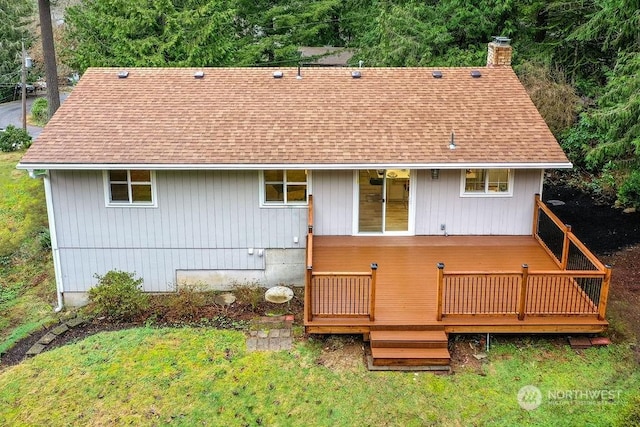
13, 139
187, 302
629, 191
251, 294
40, 111
118, 296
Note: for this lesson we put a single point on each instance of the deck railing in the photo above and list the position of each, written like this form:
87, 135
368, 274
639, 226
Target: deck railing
580, 287
343, 294
337, 294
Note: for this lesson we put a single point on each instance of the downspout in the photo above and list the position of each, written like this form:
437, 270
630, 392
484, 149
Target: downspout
53, 234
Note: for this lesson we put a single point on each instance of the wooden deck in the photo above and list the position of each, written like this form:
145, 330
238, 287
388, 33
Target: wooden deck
406, 286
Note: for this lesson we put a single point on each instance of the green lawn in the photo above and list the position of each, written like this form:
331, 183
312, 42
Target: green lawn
27, 288
202, 376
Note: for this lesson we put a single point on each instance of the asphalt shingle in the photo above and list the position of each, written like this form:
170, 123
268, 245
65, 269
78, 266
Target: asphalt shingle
244, 116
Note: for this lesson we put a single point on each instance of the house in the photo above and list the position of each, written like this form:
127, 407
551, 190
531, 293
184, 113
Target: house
404, 199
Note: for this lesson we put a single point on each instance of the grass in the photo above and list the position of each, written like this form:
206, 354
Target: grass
190, 376
27, 288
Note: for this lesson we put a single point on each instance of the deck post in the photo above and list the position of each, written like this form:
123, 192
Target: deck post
307, 295
536, 214
440, 286
565, 247
522, 306
372, 292
604, 292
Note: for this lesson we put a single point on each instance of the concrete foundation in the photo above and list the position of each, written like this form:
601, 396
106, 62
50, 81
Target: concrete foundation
76, 299
282, 267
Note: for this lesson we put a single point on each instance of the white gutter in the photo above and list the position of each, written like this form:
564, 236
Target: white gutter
313, 166
54, 241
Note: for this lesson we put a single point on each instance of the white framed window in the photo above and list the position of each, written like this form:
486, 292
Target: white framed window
130, 188
284, 187
486, 183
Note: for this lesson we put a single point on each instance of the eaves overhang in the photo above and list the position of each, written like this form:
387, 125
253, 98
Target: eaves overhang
309, 166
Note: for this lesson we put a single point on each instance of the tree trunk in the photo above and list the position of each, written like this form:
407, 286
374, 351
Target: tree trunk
48, 49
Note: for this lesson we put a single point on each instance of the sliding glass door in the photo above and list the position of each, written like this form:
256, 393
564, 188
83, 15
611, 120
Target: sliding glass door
383, 200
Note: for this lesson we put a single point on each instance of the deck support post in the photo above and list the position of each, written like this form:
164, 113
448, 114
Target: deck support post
523, 292
307, 295
440, 283
604, 293
372, 292
565, 248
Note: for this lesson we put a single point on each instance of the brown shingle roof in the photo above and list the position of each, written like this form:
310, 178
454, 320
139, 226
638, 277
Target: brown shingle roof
244, 116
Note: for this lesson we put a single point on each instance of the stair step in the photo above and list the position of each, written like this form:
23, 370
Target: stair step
409, 339
385, 356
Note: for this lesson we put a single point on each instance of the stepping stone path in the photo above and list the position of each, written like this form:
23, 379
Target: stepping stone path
51, 336
270, 334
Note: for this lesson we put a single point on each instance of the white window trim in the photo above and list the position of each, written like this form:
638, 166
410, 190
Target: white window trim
107, 192
463, 181
278, 205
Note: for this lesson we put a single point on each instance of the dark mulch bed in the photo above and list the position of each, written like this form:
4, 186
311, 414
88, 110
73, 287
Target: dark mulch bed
603, 228
193, 309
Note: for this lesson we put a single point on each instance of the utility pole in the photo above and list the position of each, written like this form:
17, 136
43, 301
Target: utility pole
24, 88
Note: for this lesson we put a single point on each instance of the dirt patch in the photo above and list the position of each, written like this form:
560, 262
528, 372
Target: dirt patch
341, 352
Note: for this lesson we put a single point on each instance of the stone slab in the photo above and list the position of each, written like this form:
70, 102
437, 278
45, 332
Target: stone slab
600, 341
59, 330
37, 348
274, 333
252, 344
45, 340
76, 321
579, 342
285, 333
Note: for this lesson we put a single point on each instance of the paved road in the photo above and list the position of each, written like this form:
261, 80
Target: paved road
11, 114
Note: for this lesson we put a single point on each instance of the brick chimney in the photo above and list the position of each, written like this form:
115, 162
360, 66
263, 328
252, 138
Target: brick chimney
499, 52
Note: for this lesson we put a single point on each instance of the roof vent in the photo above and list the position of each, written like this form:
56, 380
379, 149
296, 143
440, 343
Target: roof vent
356, 74
437, 74
476, 74
278, 74
198, 74
123, 74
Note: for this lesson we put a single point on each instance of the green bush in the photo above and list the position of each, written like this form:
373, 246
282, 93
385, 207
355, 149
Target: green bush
629, 191
118, 296
40, 111
13, 139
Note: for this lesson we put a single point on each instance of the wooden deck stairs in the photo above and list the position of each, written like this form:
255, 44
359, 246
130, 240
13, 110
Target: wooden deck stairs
409, 350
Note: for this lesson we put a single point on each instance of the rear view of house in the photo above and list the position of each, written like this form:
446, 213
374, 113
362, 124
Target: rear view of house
222, 175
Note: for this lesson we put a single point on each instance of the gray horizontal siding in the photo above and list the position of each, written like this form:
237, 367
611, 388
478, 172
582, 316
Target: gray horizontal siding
439, 202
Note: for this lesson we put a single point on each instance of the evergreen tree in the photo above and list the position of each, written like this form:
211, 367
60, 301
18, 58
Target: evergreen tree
14, 16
